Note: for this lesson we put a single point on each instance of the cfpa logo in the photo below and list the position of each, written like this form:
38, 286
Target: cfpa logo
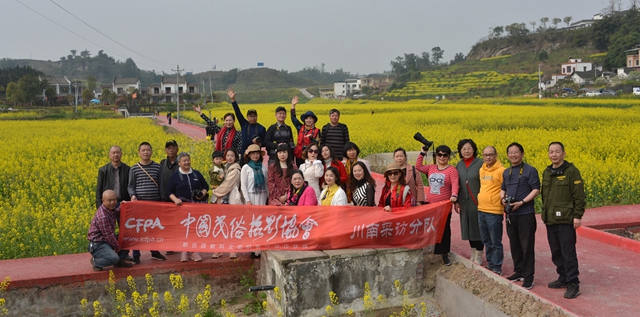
143, 223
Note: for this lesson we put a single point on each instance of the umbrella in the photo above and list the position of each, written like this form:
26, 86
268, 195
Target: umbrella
94, 101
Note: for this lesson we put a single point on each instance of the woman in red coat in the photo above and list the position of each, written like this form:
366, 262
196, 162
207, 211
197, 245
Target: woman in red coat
396, 194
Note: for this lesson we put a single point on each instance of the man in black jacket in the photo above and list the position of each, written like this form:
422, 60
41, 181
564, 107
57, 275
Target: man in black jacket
167, 167
115, 176
278, 133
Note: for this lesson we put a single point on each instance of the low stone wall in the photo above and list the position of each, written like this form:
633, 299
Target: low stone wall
307, 277
63, 299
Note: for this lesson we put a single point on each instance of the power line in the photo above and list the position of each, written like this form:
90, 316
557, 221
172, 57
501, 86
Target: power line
76, 34
87, 24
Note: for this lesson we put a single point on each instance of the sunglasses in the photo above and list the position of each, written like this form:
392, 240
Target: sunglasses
442, 155
394, 173
313, 151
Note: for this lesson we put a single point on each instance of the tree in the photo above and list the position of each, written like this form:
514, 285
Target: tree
73, 53
567, 20
533, 25
62, 59
436, 54
14, 93
105, 95
497, 31
411, 62
600, 82
91, 82
543, 23
50, 93
459, 57
555, 22
516, 29
87, 95
32, 86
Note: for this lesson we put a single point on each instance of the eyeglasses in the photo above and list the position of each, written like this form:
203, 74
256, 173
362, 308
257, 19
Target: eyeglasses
442, 155
313, 151
394, 173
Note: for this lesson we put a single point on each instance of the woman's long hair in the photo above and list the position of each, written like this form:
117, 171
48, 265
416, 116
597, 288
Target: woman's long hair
353, 182
276, 165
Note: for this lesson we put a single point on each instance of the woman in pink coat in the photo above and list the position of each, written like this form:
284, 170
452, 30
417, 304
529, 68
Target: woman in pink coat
300, 193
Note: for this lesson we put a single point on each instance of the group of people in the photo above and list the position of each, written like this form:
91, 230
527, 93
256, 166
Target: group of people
324, 168
484, 193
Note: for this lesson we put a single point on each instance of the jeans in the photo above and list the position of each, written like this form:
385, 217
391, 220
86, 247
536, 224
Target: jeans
491, 234
103, 254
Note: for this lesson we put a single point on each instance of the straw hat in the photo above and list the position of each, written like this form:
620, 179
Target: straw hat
393, 166
253, 148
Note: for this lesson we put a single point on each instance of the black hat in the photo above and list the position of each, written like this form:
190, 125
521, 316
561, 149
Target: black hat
309, 114
252, 112
171, 143
281, 108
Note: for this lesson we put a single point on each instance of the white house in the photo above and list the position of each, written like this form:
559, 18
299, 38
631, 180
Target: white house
575, 65
123, 85
170, 85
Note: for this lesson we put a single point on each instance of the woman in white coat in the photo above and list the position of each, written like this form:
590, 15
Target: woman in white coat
253, 177
312, 168
333, 194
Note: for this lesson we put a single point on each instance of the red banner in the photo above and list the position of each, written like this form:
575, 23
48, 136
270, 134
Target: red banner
148, 225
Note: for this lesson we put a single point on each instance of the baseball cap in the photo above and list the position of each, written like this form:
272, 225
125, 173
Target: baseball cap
171, 143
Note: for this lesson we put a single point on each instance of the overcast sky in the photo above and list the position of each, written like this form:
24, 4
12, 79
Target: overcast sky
356, 35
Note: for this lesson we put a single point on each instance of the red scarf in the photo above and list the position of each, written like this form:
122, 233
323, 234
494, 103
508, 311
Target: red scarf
229, 142
303, 140
395, 193
467, 162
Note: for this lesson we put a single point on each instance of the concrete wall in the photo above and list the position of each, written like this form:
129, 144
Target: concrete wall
64, 299
307, 277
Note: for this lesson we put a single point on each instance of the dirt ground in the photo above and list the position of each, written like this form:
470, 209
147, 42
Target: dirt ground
511, 302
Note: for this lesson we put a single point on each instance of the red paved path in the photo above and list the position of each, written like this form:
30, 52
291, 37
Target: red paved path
609, 265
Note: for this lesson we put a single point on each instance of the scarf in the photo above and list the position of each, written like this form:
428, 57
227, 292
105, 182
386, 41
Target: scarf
294, 195
349, 164
328, 195
220, 137
258, 177
467, 162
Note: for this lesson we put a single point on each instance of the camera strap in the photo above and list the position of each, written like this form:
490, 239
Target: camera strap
145, 171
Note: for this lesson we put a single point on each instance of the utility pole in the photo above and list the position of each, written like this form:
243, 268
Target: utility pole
539, 83
210, 88
178, 70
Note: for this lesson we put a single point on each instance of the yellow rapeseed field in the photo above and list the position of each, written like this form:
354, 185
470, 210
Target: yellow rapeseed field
48, 178
48, 174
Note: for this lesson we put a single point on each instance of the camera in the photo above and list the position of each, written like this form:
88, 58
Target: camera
256, 139
427, 144
197, 194
508, 200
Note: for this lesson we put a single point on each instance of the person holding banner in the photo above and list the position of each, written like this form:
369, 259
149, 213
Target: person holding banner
103, 242
351, 152
312, 168
443, 185
144, 184
363, 186
330, 160
229, 191
253, 177
396, 195
187, 185
300, 193
413, 179
467, 205
278, 176
333, 194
